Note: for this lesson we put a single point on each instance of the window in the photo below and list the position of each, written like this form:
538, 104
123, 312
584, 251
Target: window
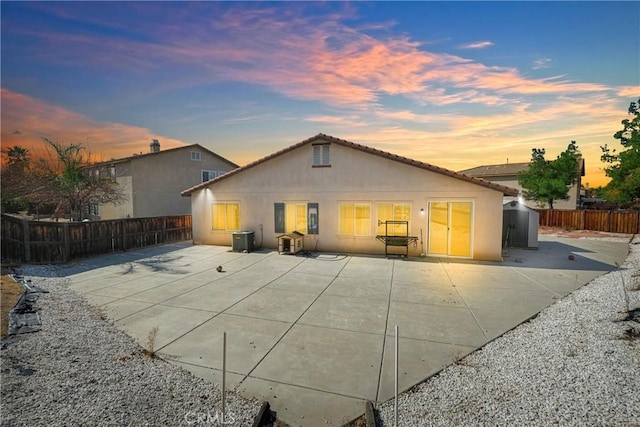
208, 175
94, 209
355, 219
321, 155
195, 155
226, 216
300, 217
393, 212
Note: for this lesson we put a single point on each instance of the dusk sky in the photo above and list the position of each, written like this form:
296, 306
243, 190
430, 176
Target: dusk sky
455, 84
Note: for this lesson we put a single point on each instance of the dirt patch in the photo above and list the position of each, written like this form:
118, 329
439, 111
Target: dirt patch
577, 234
10, 293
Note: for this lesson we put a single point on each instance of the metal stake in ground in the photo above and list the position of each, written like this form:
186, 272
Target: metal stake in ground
395, 415
224, 373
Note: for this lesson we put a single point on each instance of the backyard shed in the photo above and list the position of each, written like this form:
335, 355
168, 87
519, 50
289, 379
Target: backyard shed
520, 225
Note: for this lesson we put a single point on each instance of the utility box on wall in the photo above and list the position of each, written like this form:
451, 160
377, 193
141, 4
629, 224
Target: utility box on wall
242, 241
290, 243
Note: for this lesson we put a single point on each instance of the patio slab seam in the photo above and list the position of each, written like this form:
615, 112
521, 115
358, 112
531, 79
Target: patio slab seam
231, 306
293, 323
386, 328
163, 303
577, 286
486, 337
300, 386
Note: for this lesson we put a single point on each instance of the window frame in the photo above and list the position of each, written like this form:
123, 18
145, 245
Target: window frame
196, 156
226, 206
321, 155
355, 226
311, 216
211, 173
380, 228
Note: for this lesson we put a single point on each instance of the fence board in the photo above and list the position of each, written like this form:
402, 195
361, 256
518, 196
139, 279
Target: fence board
610, 221
53, 242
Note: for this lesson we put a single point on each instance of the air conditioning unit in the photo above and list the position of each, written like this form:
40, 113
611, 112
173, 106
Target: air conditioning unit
290, 243
242, 241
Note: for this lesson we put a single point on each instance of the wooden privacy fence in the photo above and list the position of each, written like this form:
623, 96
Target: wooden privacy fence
611, 221
55, 242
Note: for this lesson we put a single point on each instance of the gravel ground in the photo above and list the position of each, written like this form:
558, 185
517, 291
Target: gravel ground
80, 370
573, 365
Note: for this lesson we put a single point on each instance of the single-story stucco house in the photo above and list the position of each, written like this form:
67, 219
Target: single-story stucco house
340, 195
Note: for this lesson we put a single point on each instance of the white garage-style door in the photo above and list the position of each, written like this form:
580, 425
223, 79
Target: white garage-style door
450, 228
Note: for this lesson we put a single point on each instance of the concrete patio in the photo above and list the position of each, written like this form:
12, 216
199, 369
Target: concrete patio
314, 335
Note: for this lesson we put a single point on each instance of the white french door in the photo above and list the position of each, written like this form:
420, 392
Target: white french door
450, 228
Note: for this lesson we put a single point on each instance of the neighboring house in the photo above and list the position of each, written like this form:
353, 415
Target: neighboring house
338, 194
152, 182
507, 174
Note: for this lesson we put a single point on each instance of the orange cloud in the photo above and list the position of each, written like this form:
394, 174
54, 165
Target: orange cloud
461, 141
25, 121
632, 92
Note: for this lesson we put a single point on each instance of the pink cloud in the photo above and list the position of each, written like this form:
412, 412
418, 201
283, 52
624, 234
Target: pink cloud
308, 58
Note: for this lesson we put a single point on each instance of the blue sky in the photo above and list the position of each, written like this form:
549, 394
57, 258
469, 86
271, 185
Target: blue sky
456, 84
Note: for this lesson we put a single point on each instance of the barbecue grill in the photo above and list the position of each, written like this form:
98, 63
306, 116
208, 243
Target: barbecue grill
396, 239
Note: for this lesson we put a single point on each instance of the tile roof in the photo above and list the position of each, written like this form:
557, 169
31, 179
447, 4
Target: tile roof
507, 191
506, 169
161, 152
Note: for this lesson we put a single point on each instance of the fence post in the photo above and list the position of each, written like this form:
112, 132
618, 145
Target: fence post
609, 221
66, 248
124, 234
26, 240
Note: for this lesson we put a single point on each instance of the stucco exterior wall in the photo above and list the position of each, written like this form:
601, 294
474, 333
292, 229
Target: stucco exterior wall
571, 204
153, 183
111, 211
354, 176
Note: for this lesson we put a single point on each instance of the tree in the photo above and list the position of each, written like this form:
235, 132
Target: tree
17, 156
16, 179
547, 180
624, 166
70, 181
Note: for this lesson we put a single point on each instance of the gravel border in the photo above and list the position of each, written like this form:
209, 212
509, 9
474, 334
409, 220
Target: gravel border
572, 365
80, 370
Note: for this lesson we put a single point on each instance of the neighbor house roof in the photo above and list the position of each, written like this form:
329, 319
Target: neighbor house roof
508, 191
162, 152
506, 169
